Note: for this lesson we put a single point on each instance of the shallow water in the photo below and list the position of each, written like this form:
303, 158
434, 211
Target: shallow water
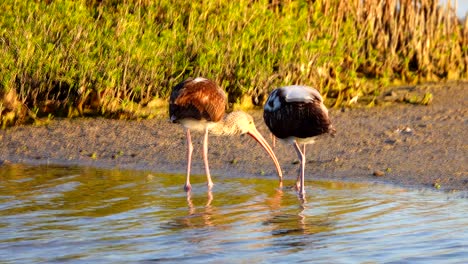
59, 214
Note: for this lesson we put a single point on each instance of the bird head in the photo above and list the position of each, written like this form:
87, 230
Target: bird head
239, 122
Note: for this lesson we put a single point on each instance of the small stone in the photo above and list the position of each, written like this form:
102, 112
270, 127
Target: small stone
378, 173
405, 130
391, 94
93, 155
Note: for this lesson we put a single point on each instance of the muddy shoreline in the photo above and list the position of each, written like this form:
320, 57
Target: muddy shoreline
408, 145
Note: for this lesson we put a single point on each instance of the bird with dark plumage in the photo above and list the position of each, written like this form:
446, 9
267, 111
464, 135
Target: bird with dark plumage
297, 115
199, 104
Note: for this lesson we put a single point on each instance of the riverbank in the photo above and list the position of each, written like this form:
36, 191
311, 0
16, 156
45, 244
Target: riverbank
408, 145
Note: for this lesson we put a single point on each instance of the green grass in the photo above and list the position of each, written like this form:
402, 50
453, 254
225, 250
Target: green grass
114, 58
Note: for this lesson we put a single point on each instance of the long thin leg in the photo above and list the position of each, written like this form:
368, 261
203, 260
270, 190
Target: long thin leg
303, 170
187, 186
205, 159
299, 170
301, 157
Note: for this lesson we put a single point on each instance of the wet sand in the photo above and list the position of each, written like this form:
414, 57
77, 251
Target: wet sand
408, 145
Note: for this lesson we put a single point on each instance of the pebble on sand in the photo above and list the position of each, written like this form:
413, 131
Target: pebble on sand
378, 173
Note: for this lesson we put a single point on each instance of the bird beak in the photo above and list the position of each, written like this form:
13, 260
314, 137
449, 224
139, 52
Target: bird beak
259, 138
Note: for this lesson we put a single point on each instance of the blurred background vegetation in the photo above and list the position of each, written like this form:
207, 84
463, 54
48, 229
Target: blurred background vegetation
118, 58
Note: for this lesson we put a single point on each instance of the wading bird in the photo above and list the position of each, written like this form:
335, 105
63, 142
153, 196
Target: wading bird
297, 115
199, 104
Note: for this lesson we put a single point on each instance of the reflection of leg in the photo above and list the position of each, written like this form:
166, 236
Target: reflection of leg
205, 159
300, 180
187, 186
190, 203
208, 209
210, 199
301, 216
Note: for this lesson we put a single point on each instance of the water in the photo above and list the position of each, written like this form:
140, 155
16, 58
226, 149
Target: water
60, 214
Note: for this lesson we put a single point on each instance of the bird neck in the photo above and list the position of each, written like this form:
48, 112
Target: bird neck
225, 128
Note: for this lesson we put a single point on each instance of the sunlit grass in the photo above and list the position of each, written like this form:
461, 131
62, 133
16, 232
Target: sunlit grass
114, 58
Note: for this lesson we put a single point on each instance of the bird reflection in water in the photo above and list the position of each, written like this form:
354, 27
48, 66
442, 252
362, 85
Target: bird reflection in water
196, 217
208, 209
289, 219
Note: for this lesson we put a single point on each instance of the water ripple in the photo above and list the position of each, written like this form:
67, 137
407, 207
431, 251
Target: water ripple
62, 214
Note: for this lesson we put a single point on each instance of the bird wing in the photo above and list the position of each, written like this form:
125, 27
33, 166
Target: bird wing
302, 94
198, 99
296, 111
